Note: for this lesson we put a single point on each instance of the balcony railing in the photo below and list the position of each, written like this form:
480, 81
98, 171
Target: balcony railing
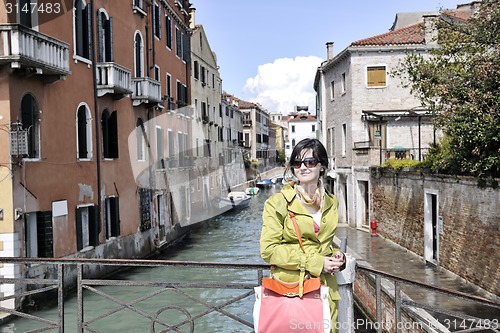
24, 47
113, 79
247, 123
146, 90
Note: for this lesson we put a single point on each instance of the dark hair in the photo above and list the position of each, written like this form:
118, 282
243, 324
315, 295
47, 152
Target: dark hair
318, 151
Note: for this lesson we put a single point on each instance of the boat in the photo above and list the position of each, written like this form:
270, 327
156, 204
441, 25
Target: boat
252, 190
265, 183
234, 200
277, 180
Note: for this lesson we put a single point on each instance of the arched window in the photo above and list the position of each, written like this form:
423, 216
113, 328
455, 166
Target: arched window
82, 12
110, 134
30, 117
104, 37
140, 132
84, 132
138, 55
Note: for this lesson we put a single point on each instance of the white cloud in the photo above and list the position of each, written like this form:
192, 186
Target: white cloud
285, 83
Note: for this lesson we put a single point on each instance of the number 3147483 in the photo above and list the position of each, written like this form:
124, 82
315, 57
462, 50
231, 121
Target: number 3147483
32, 8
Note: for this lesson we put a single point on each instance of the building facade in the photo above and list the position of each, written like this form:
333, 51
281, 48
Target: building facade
94, 121
367, 115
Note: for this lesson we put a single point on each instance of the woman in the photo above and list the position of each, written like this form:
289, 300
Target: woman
316, 215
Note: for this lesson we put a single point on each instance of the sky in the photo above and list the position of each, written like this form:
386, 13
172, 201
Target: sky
268, 50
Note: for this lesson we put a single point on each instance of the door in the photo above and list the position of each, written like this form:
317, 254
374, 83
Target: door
431, 226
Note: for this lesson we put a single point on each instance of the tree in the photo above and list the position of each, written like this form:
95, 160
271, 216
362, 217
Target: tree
459, 83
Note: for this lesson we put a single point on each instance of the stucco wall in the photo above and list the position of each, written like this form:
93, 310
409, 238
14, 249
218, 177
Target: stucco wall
470, 232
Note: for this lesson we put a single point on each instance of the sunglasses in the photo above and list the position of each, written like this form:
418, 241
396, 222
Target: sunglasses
309, 162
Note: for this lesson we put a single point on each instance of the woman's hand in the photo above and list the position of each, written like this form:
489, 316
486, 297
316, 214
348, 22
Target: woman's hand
332, 264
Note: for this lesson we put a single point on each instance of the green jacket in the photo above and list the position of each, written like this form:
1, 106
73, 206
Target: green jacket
280, 247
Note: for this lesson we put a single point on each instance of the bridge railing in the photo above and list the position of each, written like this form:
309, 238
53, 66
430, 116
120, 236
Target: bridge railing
207, 288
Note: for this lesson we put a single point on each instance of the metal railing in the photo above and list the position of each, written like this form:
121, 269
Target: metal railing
230, 277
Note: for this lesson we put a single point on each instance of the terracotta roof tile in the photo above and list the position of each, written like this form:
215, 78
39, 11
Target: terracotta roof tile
413, 34
459, 14
302, 118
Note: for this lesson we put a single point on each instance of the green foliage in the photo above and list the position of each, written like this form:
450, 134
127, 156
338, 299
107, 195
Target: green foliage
460, 84
401, 164
281, 157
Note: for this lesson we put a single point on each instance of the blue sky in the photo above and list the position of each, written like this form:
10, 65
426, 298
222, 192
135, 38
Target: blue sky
268, 51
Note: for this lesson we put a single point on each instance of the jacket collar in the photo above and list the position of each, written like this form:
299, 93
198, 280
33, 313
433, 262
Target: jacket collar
295, 205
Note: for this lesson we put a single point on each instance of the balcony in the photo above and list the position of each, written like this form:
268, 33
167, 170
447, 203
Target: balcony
113, 79
34, 51
247, 123
146, 90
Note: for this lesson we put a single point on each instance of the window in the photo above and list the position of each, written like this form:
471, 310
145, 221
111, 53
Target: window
313, 129
30, 117
112, 217
157, 72
25, 16
84, 133
104, 37
161, 212
168, 85
332, 90
343, 86
293, 128
110, 134
171, 145
196, 68
344, 139
145, 198
138, 55
293, 142
178, 42
168, 27
376, 76
156, 21
160, 134
82, 13
140, 132
87, 228
39, 236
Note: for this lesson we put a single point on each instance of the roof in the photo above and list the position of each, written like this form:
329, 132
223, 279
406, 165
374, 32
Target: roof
413, 34
299, 119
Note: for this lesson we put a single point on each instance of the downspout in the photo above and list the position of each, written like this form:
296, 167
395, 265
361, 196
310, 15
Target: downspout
96, 117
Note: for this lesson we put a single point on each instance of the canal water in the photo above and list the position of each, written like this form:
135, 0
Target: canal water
232, 237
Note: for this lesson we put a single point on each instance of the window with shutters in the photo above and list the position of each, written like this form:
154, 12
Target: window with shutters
112, 210
82, 28
110, 134
376, 76
87, 227
178, 42
156, 20
140, 132
138, 55
160, 147
84, 132
39, 236
104, 37
168, 28
30, 118
196, 70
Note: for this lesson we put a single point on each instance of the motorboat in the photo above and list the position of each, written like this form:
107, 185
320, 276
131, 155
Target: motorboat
252, 190
265, 183
234, 200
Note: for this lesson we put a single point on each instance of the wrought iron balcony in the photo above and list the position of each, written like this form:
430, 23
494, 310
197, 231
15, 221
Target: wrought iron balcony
113, 79
23, 47
146, 90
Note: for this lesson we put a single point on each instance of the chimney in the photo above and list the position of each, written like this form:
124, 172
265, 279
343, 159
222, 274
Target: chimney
329, 50
192, 22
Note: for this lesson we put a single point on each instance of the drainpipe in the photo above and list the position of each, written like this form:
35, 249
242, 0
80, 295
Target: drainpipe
96, 116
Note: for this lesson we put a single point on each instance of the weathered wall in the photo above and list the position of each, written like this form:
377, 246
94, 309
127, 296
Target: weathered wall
469, 239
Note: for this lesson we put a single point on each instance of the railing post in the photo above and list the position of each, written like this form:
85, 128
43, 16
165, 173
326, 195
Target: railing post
378, 302
79, 293
60, 295
345, 280
397, 299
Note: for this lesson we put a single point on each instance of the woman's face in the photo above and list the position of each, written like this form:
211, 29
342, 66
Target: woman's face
307, 173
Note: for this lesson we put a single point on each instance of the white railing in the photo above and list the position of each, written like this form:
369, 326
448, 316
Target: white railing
146, 90
113, 78
26, 47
